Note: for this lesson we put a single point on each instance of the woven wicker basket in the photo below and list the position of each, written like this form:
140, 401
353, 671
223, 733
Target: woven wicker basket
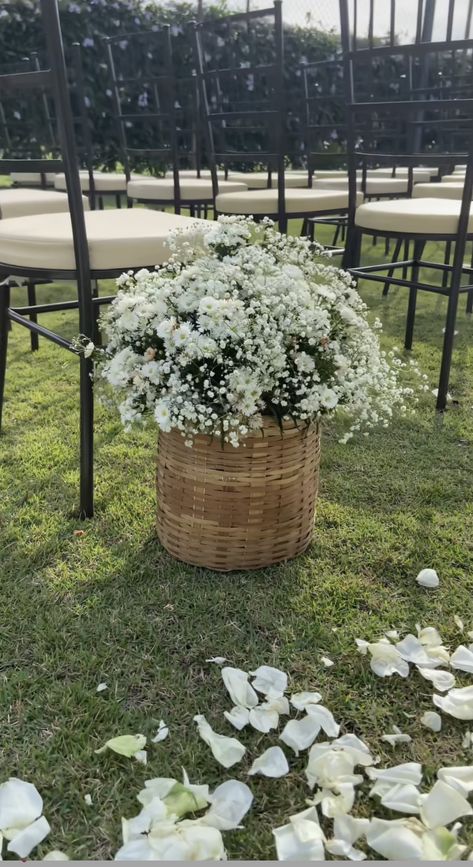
238, 508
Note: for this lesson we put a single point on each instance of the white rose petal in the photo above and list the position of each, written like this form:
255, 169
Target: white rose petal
357, 749
442, 680
300, 700
161, 734
229, 804
396, 840
27, 839
346, 831
239, 717
325, 719
218, 660
429, 636
431, 720
385, 658
428, 578
299, 734
263, 719
102, 687
402, 798
459, 622
460, 778
412, 650
124, 745
458, 703
227, 751
327, 661
397, 738
56, 855
238, 688
272, 682
443, 804
441, 844
20, 804
407, 772
467, 740
88, 799
302, 839
462, 659
272, 763
141, 756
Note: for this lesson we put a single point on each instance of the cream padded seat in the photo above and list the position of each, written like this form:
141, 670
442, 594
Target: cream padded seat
196, 190
105, 182
259, 180
439, 191
118, 239
22, 202
456, 178
412, 216
375, 186
191, 174
32, 178
297, 201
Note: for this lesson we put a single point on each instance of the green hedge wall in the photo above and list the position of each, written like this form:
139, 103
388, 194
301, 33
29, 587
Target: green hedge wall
86, 21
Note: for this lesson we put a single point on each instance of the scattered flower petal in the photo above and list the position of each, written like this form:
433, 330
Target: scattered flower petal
467, 741
397, 738
239, 717
238, 688
460, 778
432, 720
402, 798
227, 751
20, 804
141, 756
218, 660
301, 700
397, 839
161, 734
263, 719
272, 763
444, 804
229, 804
26, 840
385, 658
302, 839
56, 855
327, 661
442, 680
102, 687
272, 682
124, 745
88, 799
346, 831
299, 734
459, 622
385, 778
428, 578
462, 659
325, 718
458, 703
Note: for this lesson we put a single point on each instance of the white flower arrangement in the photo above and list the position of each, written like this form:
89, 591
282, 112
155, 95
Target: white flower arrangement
244, 322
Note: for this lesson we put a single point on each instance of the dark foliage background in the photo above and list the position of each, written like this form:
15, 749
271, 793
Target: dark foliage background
87, 21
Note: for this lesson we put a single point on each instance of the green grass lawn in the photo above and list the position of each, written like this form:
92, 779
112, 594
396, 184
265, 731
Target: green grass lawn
111, 605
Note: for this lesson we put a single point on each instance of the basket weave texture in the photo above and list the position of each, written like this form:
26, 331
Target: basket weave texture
238, 508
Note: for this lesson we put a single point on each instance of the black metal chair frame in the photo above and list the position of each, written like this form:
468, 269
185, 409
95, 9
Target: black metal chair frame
274, 115
168, 155
453, 272
54, 80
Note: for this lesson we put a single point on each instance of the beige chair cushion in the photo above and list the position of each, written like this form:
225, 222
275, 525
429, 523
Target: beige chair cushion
259, 180
160, 189
32, 178
439, 191
420, 173
411, 216
118, 239
265, 202
22, 202
456, 178
375, 186
105, 182
191, 174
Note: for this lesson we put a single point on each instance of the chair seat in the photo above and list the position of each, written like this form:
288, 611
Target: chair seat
191, 174
424, 217
162, 190
375, 186
259, 180
265, 202
118, 239
456, 178
439, 191
104, 182
22, 202
32, 178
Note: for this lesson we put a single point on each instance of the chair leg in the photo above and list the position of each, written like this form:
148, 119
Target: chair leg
446, 260
86, 439
97, 338
4, 323
352, 254
469, 297
31, 289
411, 309
395, 258
447, 352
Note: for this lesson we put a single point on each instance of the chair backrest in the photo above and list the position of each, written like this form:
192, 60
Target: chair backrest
395, 87
146, 104
242, 95
35, 85
325, 144
80, 102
